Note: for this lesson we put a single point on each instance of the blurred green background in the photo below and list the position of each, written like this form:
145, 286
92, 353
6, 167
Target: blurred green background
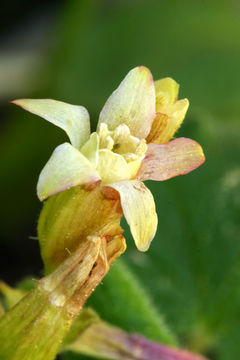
78, 52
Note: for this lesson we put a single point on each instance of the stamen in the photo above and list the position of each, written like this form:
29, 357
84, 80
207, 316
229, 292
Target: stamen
121, 134
122, 142
130, 157
109, 142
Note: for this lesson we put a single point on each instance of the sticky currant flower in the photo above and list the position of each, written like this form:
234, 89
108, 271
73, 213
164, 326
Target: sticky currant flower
131, 145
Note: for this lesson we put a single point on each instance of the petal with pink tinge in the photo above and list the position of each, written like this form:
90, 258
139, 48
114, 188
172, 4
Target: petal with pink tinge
164, 161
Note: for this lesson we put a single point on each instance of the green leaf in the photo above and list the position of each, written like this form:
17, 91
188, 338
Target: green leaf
123, 301
11, 296
92, 336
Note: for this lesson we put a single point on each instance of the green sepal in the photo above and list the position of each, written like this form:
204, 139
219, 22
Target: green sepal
69, 217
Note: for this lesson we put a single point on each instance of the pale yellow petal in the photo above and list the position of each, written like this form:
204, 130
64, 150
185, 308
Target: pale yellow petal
177, 116
112, 167
166, 125
134, 167
73, 119
168, 87
139, 210
90, 149
66, 168
170, 111
159, 126
132, 103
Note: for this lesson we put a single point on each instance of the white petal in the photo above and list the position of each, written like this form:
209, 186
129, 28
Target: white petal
73, 119
139, 210
112, 167
132, 103
66, 168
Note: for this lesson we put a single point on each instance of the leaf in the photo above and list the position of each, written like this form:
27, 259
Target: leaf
93, 336
133, 309
11, 296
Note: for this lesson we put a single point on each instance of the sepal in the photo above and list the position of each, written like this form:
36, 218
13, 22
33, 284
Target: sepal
69, 217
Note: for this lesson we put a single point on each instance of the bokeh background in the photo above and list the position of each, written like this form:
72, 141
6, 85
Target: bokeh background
78, 52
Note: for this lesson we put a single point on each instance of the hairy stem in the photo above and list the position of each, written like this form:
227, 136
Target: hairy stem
35, 327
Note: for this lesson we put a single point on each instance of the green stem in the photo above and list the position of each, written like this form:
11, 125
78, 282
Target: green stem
33, 329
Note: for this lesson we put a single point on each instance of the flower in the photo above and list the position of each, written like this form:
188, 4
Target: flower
131, 145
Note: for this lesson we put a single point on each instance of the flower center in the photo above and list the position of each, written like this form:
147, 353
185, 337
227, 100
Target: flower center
120, 141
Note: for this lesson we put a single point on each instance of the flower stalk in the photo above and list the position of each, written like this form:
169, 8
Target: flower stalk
36, 326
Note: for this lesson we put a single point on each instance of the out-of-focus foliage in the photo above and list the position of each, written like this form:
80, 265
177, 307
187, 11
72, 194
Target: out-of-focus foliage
192, 270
